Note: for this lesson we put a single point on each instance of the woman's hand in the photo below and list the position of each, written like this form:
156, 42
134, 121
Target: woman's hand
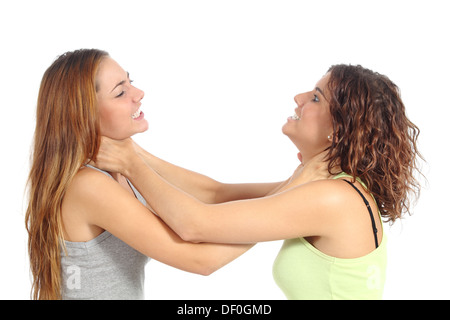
116, 155
314, 169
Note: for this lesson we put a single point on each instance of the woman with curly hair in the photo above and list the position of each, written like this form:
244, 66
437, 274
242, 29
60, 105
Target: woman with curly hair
359, 157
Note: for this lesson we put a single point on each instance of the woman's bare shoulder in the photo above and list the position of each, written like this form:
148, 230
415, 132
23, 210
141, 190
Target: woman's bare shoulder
85, 188
88, 181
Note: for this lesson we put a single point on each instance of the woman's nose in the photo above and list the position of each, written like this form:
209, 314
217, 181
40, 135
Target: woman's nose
299, 100
139, 95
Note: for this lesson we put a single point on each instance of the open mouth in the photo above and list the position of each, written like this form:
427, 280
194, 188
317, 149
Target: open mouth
295, 117
136, 114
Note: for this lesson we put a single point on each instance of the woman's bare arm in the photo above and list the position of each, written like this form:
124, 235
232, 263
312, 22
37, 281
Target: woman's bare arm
111, 158
101, 201
303, 210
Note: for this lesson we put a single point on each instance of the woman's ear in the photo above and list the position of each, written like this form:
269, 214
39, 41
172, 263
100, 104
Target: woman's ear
333, 136
330, 137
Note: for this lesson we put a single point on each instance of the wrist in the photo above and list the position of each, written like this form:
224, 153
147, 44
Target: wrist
132, 165
149, 159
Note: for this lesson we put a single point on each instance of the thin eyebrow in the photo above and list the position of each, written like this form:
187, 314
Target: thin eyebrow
121, 82
320, 90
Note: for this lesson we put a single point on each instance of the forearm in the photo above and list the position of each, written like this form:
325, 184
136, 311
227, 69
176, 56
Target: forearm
210, 257
199, 186
118, 156
202, 187
179, 209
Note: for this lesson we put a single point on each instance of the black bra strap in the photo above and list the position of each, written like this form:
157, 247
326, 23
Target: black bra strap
374, 227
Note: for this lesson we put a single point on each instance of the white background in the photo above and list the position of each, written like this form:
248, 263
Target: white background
219, 78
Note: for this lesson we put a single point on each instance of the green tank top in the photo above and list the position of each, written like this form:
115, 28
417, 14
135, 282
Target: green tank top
303, 272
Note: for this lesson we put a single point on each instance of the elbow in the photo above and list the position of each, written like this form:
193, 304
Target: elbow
192, 225
189, 235
191, 231
207, 271
207, 267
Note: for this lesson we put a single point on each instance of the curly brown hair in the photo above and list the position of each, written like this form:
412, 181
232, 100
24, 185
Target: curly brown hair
373, 138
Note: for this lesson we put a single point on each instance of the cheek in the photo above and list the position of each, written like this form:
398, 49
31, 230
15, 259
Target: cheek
106, 118
327, 124
320, 117
311, 121
316, 125
111, 121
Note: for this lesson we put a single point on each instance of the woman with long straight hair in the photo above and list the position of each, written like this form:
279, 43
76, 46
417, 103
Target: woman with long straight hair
62, 144
91, 233
359, 164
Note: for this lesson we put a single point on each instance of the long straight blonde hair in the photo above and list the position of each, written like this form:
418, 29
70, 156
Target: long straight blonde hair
66, 137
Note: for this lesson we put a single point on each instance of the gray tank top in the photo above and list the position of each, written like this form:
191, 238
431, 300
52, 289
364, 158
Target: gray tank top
103, 268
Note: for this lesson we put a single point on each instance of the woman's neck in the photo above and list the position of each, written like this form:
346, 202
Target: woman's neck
313, 158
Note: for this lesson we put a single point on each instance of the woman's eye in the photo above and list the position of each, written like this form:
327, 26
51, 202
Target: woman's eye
120, 94
316, 98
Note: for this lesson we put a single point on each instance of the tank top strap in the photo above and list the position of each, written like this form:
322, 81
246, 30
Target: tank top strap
369, 209
346, 175
133, 188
